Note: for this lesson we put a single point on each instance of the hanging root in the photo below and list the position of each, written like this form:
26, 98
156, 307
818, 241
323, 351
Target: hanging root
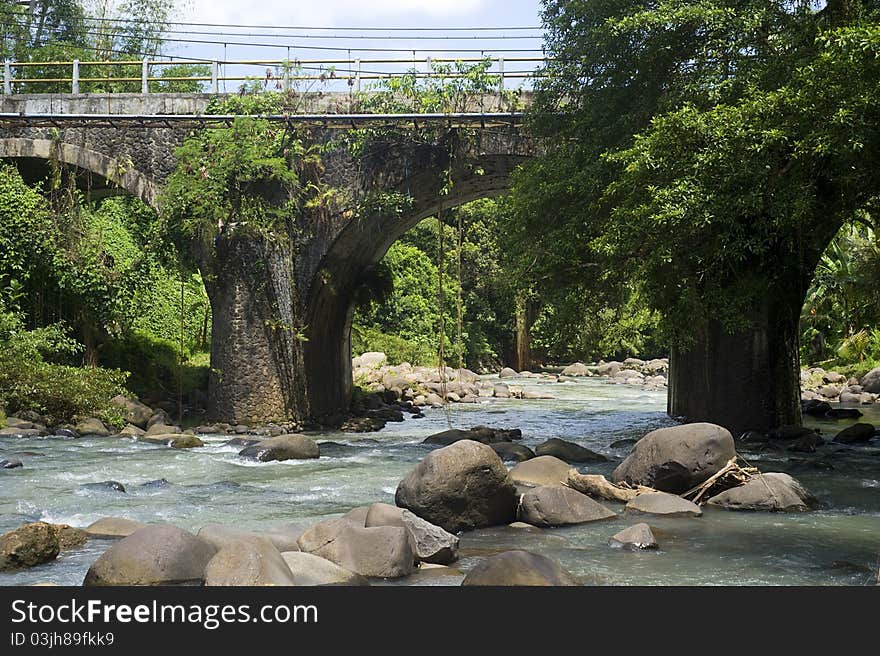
730, 476
596, 485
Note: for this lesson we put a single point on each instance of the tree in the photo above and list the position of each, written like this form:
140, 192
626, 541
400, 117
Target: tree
711, 150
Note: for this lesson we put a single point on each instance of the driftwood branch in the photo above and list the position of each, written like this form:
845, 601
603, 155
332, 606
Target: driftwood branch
596, 485
731, 475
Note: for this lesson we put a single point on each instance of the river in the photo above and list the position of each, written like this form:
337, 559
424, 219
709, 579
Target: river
839, 544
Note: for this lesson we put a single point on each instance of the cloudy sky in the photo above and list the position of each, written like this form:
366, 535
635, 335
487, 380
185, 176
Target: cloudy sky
369, 13
242, 43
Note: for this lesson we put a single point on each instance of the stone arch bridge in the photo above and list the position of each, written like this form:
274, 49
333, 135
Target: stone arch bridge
262, 369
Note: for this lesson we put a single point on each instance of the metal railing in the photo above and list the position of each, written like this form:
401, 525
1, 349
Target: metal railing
282, 75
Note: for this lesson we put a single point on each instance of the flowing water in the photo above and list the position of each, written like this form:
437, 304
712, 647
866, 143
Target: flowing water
839, 544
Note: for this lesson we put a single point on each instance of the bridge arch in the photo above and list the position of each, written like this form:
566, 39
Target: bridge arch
121, 173
329, 305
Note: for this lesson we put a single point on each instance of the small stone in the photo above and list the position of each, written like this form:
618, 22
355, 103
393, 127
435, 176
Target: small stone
662, 503
638, 536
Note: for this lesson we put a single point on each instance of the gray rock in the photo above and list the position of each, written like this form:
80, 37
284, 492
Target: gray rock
309, 569
661, 503
519, 568
501, 391
482, 434
10, 463
771, 491
460, 487
20, 433
431, 543
28, 545
248, 563
557, 505
507, 372
113, 527
576, 369
829, 391
678, 458
871, 381
159, 417
568, 451
508, 451
541, 470
158, 554
163, 429
282, 447
638, 536
92, 427
132, 431
861, 432
609, 368
135, 412
380, 551
220, 537
173, 440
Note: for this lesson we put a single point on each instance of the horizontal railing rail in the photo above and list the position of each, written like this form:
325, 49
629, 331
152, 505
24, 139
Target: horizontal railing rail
282, 74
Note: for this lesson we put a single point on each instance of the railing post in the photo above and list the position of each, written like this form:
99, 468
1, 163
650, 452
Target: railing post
428, 67
501, 74
145, 74
74, 87
357, 75
215, 74
7, 77
285, 77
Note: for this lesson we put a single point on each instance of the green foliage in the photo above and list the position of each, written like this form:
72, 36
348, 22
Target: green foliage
398, 349
710, 150
30, 381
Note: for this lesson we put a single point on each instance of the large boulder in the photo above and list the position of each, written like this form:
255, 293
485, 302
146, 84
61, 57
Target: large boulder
460, 487
568, 451
282, 447
379, 551
28, 545
519, 568
661, 503
861, 432
135, 412
678, 458
871, 381
370, 360
113, 527
221, 536
638, 536
557, 505
772, 491
248, 563
430, 543
91, 427
158, 554
309, 569
507, 372
542, 470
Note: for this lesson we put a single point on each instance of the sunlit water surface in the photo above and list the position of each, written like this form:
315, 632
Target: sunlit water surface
836, 545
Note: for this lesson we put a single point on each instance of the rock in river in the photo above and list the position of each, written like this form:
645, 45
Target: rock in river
309, 569
557, 505
568, 451
249, 563
661, 503
678, 458
113, 527
460, 487
861, 432
283, 447
28, 545
508, 451
158, 554
638, 536
772, 491
430, 543
519, 568
543, 470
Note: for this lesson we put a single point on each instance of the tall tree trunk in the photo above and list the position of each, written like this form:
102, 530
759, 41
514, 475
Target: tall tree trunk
526, 313
748, 380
